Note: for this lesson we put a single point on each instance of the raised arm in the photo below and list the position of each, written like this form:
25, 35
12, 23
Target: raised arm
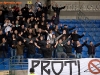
86, 44
48, 6
37, 45
62, 7
65, 41
58, 37
80, 36
53, 8
71, 28
97, 44
40, 6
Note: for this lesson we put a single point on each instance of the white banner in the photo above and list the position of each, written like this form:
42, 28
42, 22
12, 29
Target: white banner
85, 66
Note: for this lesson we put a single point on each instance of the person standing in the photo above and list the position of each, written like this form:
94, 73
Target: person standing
31, 48
4, 48
68, 48
57, 9
91, 48
78, 49
60, 48
25, 11
20, 48
55, 19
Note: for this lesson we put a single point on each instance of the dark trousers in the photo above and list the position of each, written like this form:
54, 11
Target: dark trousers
70, 54
3, 54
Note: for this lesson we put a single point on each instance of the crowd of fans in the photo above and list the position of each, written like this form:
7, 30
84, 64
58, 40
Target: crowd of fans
30, 28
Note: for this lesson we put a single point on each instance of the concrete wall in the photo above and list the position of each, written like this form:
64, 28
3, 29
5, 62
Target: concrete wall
90, 8
20, 72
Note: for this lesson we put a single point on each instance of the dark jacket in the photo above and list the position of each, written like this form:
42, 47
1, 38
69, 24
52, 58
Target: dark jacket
79, 49
2, 17
39, 14
14, 42
31, 14
55, 20
4, 46
31, 48
75, 37
45, 9
68, 48
91, 49
67, 30
47, 52
25, 12
60, 48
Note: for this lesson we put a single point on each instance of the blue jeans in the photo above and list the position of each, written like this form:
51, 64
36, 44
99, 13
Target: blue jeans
31, 55
20, 58
78, 55
91, 55
13, 52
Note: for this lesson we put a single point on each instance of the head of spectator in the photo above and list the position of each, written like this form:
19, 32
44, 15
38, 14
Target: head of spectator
39, 30
19, 42
55, 14
1, 32
23, 19
30, 31
60, 41
18, 18
13, 36
23, 27
75, 31
65, 26
41, 38
44, 5
69, 43
53, 36
43, 14
26, 5
64, 31
3, 40
29, 36
78, 43
15, 32
64, 38
91, 43
56, 27
51, 31
20, 13
56, 5
17, 5
43, 18
48, 46
37, 0
32, 71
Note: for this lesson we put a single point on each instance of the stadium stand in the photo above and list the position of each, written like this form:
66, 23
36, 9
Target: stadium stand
24, 34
